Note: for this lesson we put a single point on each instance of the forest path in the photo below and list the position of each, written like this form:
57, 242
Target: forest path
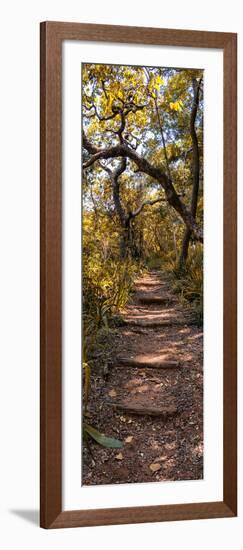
152, 399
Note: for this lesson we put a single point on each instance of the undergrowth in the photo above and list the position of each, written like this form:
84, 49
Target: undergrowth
188, 283
106, 289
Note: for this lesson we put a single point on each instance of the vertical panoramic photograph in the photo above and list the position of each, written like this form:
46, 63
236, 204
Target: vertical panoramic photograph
142, 274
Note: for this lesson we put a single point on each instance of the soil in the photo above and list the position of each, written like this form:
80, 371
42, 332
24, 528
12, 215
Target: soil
154, 361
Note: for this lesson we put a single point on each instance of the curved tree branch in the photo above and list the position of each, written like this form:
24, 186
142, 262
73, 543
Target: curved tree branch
114, 177
145, 203
122, 150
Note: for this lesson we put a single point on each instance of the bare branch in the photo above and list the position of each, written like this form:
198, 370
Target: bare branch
146, 203
101, 119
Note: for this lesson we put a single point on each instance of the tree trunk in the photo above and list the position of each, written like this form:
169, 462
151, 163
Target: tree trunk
125, 240
184, 248
128, 245
123, 244
195, 171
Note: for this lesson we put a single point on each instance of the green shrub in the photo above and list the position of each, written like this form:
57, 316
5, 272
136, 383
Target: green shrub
106, 289
188, 283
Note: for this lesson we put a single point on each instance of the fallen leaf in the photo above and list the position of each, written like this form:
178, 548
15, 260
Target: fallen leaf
112, 393
119, 456
102, 439
129, 439
154, 467
161, 458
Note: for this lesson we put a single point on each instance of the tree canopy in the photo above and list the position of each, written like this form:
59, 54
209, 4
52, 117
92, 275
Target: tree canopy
143, 142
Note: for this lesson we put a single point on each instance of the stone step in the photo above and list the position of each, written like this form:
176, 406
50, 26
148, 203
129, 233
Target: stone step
153, 300
153, 323
150, 410
147, 283
147, 361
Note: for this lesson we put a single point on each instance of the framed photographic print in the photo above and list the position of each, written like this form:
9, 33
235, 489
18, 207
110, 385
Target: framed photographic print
138, 275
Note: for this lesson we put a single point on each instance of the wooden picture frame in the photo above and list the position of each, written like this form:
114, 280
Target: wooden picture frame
52, 36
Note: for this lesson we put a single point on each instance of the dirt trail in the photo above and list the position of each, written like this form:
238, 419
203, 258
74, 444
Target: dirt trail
152, 398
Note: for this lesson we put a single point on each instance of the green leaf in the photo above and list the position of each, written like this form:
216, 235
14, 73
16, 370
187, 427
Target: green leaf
176, 106
109, 442
158, 81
